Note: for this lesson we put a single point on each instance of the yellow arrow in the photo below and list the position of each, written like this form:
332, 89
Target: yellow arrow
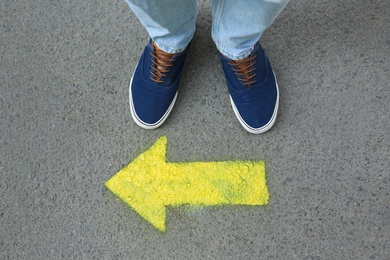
149, 183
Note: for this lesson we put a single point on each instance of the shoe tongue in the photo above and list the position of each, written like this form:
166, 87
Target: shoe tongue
245, 68
162, 56
162, 61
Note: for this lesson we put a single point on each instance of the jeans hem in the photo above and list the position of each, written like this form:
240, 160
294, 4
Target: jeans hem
169, 49
232, 56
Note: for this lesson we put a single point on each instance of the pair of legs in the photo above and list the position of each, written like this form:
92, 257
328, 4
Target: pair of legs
236, 29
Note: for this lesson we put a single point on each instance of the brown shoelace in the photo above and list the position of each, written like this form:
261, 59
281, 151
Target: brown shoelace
161, 63
244, 69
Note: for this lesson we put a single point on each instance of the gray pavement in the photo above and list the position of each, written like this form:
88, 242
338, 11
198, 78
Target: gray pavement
66, 129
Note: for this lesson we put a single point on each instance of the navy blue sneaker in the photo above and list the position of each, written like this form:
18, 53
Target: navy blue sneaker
154, 86
254, 93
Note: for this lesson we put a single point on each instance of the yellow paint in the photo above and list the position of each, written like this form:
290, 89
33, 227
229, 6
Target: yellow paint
149, 183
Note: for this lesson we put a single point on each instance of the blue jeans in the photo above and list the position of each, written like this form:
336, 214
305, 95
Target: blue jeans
236, 24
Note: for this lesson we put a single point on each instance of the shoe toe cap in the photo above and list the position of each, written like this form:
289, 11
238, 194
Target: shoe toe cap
259, 114
151, 105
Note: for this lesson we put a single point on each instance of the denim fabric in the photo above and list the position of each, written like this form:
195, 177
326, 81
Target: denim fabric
236, 24
170, 23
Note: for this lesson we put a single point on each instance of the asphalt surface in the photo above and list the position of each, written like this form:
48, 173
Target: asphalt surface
66, 129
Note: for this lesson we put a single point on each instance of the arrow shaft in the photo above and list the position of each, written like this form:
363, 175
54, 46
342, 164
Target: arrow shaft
213, 183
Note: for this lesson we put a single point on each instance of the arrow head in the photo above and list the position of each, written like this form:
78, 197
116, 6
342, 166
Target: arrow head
136, 184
